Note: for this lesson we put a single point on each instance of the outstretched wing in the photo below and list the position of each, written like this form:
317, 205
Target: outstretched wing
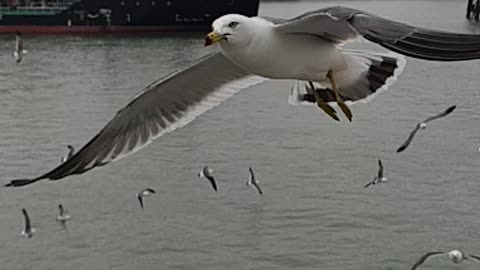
252, 175
442, 114
474, 257
255, 184
28, 227
340, 24
150, 190
212, 182
19, 43
409, 139
425, 257
380, 169
140, 200
369, 184
165, 105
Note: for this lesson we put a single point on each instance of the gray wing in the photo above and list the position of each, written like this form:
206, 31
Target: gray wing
150, 190
380, 169
369, 184
212, 182
339, 24
425, 257
474, 257
19, 43
442, 114
28, 227
252, 175
165, 105
409, 139
255, 184
140, 200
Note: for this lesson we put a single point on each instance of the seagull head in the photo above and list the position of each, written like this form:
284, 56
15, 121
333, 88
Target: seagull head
423, 125
456, 256
231, 29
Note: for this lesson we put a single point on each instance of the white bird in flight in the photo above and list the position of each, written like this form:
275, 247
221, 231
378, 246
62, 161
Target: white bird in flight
305, 49
423, 125
456, 256
379, 178
207, 173
252, 181
144, 193
28, 231
19, 51
62, 217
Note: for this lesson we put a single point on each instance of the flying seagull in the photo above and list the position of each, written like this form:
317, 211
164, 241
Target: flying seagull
28, 231
144, 193
19, 51
379, 178
252, 181
71, 151
304, 49
207, 173
423, 125
62, 217
456, 256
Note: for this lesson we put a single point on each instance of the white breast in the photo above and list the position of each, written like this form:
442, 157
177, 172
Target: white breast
285, 56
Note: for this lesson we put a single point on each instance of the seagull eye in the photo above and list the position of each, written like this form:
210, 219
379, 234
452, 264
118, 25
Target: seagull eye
233, 24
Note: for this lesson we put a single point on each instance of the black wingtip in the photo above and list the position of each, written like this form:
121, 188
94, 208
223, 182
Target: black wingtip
449, 110
20, 182
401, 149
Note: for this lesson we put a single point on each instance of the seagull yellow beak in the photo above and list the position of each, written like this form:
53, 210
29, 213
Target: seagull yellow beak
213, 37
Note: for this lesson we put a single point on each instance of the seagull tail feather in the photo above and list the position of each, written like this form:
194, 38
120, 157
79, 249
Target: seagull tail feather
368, 74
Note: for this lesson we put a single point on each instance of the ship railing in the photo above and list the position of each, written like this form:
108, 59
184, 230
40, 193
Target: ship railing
54, 8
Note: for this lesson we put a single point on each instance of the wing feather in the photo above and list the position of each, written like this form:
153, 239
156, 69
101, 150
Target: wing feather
422, 259
163, 106
409, 139
340, 24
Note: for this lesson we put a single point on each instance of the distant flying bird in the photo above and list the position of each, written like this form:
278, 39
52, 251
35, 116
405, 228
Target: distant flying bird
28, 231
252, 181
456, 256
144, 193
207, 173
423, 125
379, 178
70, 153
62, 217
19, 51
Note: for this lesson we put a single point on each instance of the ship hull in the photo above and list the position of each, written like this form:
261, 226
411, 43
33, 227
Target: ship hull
115, 16
30, 29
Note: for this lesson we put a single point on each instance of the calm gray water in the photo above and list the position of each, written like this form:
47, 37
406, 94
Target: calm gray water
315, 213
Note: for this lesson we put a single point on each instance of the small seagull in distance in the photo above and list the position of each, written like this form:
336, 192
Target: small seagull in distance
19, 51
423, 125
379, 178
253, 182
456, 256
71, 151
144, 193
28, 231
62, 217
207, 173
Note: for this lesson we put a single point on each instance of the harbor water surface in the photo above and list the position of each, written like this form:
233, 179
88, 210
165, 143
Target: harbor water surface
315, 213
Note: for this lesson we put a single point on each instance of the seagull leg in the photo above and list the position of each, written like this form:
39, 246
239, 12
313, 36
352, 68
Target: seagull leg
322, 104
339, 100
